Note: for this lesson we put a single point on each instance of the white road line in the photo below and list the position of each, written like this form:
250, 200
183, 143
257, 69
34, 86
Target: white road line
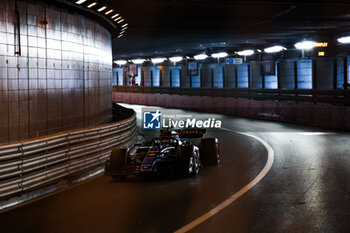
238, 194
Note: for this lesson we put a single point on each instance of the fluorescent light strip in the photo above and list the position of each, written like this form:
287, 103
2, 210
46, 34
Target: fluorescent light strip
120, 62
219, 55
108, 12
92, 4
274, 49
200, 57
176, 59
138, 61
121, 21
344, 40
118, 18
124, 25
305, 45
246, 52
80, 1
102, 8
115, 15
157, 60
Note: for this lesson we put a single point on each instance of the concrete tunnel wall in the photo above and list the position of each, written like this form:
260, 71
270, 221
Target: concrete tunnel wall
62, 78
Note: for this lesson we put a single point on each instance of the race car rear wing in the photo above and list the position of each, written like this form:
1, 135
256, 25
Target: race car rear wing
187, 133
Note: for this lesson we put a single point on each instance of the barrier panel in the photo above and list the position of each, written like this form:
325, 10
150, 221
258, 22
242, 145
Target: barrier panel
334, 97
326, 109
26, 165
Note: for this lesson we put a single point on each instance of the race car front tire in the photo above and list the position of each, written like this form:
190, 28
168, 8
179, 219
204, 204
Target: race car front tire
117, 161
209, 151
190, 164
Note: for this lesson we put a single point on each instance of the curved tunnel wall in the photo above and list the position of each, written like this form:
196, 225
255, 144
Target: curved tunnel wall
55, 70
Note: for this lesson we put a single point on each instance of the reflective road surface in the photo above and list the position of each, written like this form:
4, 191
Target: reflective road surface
306, 190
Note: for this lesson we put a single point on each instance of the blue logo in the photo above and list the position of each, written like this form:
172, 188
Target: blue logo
151, 120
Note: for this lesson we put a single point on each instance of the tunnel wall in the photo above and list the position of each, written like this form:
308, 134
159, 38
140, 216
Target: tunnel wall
256, 79
170, 76
62, 78
287, 74
271, 81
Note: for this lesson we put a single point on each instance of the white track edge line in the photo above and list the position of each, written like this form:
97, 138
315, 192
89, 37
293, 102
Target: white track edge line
238, 194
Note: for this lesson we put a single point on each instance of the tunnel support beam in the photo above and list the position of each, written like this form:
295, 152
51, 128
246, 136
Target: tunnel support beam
345, 70
142, 78
314, 74
278, 76
263, 81
190, 80
249, 78
201, 76
223, 77
160, 77
295, 75
236, 76
335, 73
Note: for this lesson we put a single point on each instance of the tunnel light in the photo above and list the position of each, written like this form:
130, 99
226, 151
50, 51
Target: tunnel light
124, 29
248, 52
122, 20
108, 12
200, 57
219, 55
116, 15
157, 60
124, 25
102, 8
92, 5
80, 1
344, 40
138, 61
118, 18
305, 45
175, 59
274, 49
120, 62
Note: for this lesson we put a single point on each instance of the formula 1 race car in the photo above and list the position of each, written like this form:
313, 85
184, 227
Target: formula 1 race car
166, 154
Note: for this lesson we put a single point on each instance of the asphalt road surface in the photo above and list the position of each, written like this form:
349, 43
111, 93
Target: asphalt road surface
306, 190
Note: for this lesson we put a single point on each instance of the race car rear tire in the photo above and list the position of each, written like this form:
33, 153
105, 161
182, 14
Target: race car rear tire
209, 151
147, 143
117, 158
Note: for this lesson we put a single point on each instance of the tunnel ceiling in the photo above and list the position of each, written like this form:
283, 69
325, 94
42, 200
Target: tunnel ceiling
169, 27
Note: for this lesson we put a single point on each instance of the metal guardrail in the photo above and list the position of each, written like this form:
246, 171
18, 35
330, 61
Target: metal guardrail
336, 97
32, 163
